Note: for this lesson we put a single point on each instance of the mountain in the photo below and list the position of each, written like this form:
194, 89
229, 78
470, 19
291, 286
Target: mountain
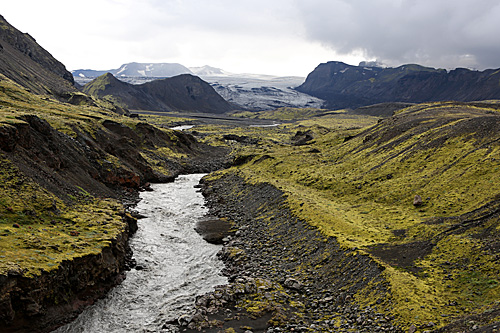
151, 70
135, 69
180, 93
247, 91
346, 86
31, 66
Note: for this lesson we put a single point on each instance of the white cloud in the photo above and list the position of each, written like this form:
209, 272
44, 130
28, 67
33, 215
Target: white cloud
286, 37
443, 33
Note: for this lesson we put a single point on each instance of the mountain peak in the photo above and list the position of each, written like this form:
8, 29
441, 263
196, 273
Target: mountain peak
184, 92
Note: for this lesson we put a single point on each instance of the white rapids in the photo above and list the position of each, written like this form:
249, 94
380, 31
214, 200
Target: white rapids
177, 266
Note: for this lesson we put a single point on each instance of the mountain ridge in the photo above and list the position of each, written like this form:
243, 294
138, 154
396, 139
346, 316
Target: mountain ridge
137, 69
30, 65
347, 86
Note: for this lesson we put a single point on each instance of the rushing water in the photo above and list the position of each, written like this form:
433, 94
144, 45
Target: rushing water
178, 265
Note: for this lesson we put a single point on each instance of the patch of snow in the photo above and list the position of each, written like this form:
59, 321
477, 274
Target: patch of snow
142, 72
344, 70
273, 125
81, 75
124, 68
182, 127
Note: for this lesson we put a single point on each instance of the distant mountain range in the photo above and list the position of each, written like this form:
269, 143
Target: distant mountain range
137, 69
346, 86
246, 91
333, 85
147, 70
179, 93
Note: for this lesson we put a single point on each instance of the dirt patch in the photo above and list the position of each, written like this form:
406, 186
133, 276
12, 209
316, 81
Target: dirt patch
403, 255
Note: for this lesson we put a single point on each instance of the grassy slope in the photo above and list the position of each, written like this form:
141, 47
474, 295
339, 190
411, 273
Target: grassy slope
441, 258
38, 230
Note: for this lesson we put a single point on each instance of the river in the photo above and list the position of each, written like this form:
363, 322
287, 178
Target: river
177, 266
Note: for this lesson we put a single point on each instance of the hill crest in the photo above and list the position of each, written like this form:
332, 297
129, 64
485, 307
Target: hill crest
179, 93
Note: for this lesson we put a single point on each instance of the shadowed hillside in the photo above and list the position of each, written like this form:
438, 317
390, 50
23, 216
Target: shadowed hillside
180, 93
346, 86
28, 64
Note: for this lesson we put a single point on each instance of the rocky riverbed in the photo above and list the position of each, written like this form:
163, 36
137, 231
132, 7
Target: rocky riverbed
284, 275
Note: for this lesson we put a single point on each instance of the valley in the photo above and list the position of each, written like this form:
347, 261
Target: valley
369, 213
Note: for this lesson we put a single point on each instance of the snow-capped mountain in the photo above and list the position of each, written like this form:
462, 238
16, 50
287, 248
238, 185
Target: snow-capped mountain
152, 70
248, 91
134, 69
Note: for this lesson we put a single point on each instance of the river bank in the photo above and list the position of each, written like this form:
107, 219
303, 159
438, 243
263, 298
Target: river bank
284, 275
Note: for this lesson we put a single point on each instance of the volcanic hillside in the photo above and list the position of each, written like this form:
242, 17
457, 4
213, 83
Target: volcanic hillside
28, 64
180, 93
346, 86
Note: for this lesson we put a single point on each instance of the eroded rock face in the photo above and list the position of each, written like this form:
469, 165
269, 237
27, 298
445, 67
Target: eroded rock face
30, 65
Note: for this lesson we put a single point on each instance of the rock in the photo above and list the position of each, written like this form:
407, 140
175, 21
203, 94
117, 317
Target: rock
213, 229
417, 201
291, 283
184, 320
412, 329
147, 187
15, 225
302, 138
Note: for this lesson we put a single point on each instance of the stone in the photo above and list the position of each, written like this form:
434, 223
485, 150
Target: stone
291, 283
417, 201
184, 320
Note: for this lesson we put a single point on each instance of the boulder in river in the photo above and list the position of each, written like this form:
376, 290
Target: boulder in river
213, 229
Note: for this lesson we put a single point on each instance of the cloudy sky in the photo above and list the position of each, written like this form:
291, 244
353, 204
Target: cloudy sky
281, 37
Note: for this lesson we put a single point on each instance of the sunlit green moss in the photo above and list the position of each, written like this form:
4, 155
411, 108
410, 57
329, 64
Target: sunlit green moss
358, 186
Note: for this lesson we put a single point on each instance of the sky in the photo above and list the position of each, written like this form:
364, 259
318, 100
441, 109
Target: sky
276, 37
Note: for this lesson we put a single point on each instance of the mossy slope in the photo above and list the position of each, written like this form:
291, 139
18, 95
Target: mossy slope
441, 256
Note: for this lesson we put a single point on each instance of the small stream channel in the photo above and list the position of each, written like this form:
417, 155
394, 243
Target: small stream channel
177, 266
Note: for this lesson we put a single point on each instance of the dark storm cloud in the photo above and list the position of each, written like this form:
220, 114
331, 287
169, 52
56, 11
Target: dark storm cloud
439, 33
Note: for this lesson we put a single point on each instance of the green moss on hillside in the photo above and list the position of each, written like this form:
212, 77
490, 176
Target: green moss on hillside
359, 186
38, 231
